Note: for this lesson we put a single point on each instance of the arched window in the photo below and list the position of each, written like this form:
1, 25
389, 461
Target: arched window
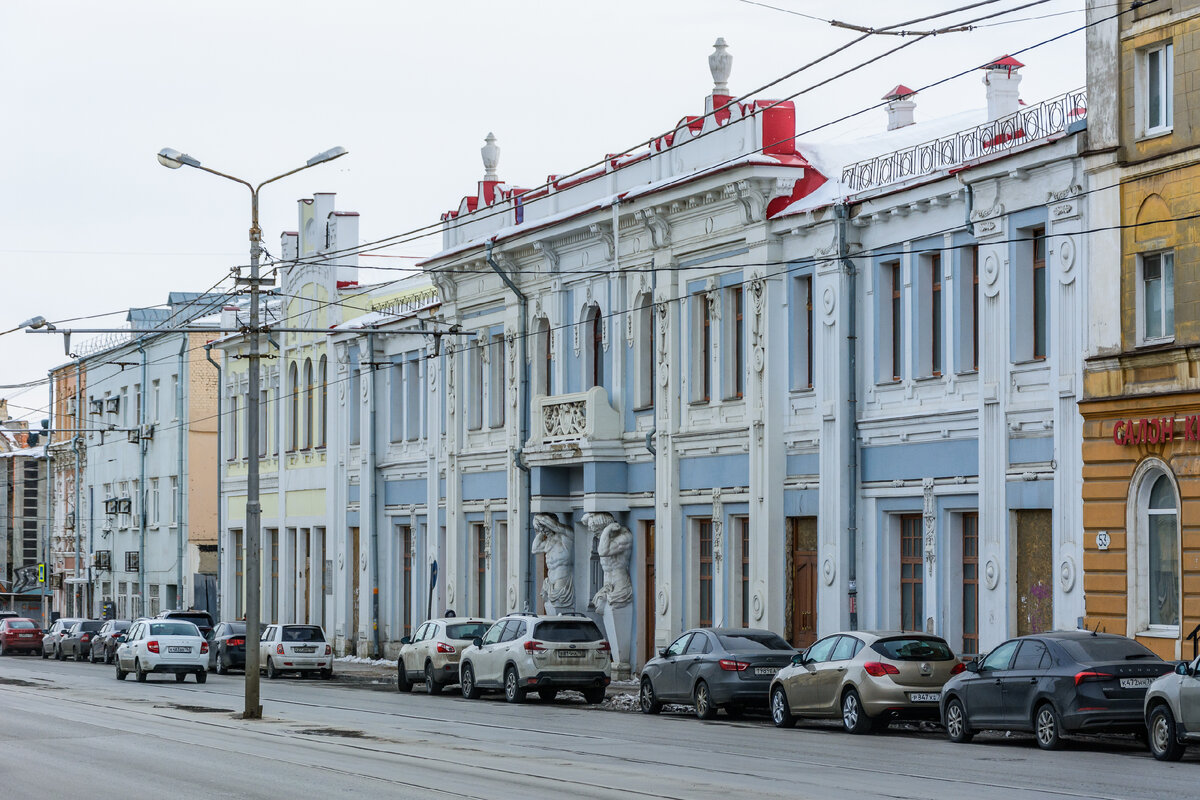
293, 406
593, 342
1154, 552
323, 378
309, 410
644, 355
543, 364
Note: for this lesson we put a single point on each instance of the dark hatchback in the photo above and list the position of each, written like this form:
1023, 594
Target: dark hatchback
227, 647
1053, 684
77, 642
201, 619
711, 668
104, 643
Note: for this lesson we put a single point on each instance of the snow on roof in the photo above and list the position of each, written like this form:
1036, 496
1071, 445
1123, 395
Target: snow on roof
27, 452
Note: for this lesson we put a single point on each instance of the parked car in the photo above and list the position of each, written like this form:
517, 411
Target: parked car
1172, 711
10, 615
162, 645
295, 648
715, 668
1053, 684
104, 643
432, 653
54, 635
227, 647
524, 651
78, 640
867, 678
19, 635
201, 619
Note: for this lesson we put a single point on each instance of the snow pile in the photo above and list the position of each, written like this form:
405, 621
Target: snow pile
626, 701
374, 662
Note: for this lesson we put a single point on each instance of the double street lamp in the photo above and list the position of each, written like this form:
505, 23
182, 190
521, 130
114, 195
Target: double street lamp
173, 159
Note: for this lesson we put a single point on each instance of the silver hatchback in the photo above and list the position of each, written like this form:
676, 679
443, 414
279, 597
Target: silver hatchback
1173, 711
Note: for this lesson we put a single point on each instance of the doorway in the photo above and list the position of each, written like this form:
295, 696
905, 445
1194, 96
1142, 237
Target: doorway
912, 563
649, 592
1035, 590
352, 634
802, 581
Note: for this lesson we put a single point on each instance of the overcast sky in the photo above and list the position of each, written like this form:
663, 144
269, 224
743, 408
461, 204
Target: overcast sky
92, 91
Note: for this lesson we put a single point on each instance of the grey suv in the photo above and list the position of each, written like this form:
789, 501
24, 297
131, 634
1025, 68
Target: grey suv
524, 652
1173, 711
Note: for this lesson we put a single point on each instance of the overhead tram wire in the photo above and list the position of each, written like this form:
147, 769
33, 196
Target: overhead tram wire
434, 228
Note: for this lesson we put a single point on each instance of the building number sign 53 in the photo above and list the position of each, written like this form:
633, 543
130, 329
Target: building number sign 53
1155, 430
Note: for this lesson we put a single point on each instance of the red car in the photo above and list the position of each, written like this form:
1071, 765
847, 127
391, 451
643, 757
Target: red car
18, 634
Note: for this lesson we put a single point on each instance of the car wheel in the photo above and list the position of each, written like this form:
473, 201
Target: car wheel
594, 696
548, 695
513, 692
854, 718
137, 668
2, 653
120, 672
221, 669
58, 653
1164, 739
44, 653
91, 655
202, 676
327, 674
431, 684
107, 656
1047, 728
647, 699
702, 700
180, 677
403, 684
781, 713
467, 685
734, 712
272, 673
957, 729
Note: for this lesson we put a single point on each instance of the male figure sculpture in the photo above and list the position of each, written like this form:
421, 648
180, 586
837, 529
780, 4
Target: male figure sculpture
616, 542
557, 542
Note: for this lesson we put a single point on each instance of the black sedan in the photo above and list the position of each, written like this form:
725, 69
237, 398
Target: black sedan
104, 643
712, 668
1052, 684
227, 647
77, 642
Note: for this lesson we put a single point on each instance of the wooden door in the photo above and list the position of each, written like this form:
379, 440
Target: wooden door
354, 571
305, 574
1035, 588
912, 565
802, 596
970, 579
649, 592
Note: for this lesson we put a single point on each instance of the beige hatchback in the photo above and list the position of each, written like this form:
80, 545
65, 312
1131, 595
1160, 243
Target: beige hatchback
431, 654
868, 678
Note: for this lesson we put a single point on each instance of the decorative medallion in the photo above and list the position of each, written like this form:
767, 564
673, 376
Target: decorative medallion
991, 275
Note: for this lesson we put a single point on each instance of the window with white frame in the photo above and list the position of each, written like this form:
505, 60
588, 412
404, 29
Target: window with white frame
702, 348
323, 412
309, 400
173, 501
175, 396
263, 426
233, 427
592, 335
475, 387
735, 340
1156, 85
497, 367
396, 400
966, 309
644, 356
889, 291
1155, 572
802, 333
354, 404
155, 503
542, 360
1156, 297
156, 396
412, 397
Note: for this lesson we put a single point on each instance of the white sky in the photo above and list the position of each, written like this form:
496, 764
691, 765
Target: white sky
92, 91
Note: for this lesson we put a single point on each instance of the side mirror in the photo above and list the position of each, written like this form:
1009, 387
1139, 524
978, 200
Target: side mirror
662, 653
1182, 668
477, 641
972, 665
405, 640
121, 638
798, 659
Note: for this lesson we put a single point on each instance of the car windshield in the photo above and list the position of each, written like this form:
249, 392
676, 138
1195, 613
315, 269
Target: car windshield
1100, 649
753, 640
23, 624
302, 633
912, 648
201, 620
564, 631
173, 629
121, 625
466, 630
91, 627
235, 628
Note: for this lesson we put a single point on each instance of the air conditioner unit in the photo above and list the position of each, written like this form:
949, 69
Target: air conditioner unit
133, 436
97, 407
111, 506
125, 505
113, 405
148, 431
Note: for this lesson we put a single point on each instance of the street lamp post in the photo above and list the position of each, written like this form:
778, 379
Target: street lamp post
173, 159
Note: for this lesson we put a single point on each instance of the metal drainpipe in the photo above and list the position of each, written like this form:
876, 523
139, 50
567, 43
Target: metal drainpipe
91, 536
220, 529
141, 499
177, 503
523, 434
374, 498
49, 529
78, 471
842, 215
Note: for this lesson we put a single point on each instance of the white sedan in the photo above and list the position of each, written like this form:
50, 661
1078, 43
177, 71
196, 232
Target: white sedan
295, 648
162, 645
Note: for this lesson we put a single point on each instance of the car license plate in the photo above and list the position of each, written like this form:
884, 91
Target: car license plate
1136, 683
179, 649
570, 654
26, 635
924, 697
307, 649
765, 670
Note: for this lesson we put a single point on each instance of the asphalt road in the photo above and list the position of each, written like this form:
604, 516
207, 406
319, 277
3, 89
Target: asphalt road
72, 730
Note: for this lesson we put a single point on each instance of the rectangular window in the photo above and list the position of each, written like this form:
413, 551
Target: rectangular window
396, 401
353, 402
475, 387
895, 319
480, 570
406, 579
272, 535
807, 284
737, 383
154, 599
173, 507
175, 399
263, 427
496, 376
233, 427
155, 397
1157, 288
704, 545
975, 307
155, 503
935, 314
645, 355
744, 546
412, 397
1157, 89
970, 579
1039, 293
912, 614
239, 578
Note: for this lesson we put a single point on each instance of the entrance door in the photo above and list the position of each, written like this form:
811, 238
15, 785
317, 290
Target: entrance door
304, 552
1035, 590
354, 549
970, 579
406, 587
912, 590
802, 605
649, 592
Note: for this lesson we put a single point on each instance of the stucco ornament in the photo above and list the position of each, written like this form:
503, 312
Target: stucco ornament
664, 320
614, 548
487, 532
556, 541
991, 275
712, 293
828, 570
664, 600
718, 527
929, 518
1066, 259
991, 573
490, 152
720, 64
757, 606
512, 598
510, 344
829, 304
757, 334
450, 394
1066, 573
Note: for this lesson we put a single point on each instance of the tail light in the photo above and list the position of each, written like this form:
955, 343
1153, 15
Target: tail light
328, 649
235, 642
877, 669
957, 668
152, 646
442, 647
534, 647
605, 647
1086, 675
279, 649
730, 665
85, 638
203, 647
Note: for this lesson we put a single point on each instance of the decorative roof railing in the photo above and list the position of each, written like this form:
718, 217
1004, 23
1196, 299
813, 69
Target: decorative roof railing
1007, 133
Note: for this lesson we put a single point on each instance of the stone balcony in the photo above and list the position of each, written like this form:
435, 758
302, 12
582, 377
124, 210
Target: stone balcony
573, 425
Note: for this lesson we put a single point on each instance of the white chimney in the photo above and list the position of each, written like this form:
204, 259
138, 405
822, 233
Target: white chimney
491, 158
720, 64
1002, 80
900, 107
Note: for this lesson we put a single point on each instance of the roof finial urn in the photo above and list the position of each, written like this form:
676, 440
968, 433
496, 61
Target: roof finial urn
720, 62
491, 158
